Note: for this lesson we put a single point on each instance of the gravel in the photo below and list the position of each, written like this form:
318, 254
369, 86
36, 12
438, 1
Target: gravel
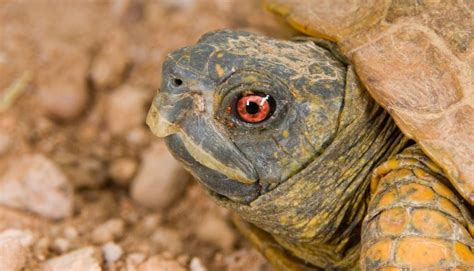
125, 109
35, 183
112, 252
110, 230
84, 259
160, 178
210, 225
159, 263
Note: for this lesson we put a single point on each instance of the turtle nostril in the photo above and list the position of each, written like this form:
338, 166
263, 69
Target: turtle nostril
176, 82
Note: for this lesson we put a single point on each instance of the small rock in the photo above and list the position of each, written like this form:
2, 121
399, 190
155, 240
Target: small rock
12, 254
84, 259
111, 61
112, 252
125, 109
34, 183
167, 239
63, 97
160, 178
216, 230
196, 265
70, 233
159, 263
61, 245
122, 170
109, 231
25, 237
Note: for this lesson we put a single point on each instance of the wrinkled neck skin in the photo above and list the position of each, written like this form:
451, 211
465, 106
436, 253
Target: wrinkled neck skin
317, 213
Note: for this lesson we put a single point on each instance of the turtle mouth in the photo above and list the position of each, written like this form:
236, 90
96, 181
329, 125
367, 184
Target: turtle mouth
204, 141
216, 182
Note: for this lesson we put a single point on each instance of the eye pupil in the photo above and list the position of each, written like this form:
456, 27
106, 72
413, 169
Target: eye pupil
252, 108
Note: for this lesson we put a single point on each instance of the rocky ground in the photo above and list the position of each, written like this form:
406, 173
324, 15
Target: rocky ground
83, 183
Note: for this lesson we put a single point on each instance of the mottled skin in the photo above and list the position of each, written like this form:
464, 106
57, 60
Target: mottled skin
314, 182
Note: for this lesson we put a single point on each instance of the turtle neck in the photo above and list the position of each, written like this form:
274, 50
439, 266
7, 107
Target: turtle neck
317, 213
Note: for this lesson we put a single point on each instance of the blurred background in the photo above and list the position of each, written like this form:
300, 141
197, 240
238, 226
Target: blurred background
83, 183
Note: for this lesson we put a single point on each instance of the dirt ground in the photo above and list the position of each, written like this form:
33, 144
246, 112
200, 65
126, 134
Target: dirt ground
83, 183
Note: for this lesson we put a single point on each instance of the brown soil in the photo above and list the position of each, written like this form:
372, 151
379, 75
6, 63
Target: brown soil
76, 79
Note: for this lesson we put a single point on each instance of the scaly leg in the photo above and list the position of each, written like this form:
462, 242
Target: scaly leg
415, 220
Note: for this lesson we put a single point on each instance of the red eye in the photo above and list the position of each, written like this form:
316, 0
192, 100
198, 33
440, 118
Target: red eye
254, 108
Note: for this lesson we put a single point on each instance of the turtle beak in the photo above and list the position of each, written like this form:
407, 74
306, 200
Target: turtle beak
202, 138
158, 124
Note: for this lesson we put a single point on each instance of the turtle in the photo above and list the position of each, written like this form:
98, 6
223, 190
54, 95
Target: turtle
350, 147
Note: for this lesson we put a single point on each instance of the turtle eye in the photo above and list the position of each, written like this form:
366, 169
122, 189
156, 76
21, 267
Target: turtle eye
255, 108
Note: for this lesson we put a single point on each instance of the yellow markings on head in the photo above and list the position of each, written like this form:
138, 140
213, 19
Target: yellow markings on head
220, 55
220, 70
285, 134
250, 78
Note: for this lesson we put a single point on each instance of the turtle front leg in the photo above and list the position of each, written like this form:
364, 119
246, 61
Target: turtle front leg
415, 221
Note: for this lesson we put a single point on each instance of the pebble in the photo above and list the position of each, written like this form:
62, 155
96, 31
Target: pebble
160, 178
109, 231
111, 61
167, 239
122, 170
112, 252
216, 230
196, 265
61, 245
70, 233
13, 254
62, 97
83, 259
35, 183
159, 263
125, 109
25, 237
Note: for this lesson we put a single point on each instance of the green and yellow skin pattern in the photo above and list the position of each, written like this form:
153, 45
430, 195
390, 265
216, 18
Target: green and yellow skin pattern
319, 176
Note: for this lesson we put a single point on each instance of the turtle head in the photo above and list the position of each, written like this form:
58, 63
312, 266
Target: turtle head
244, 112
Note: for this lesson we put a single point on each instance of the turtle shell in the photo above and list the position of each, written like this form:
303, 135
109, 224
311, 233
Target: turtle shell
416, 58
